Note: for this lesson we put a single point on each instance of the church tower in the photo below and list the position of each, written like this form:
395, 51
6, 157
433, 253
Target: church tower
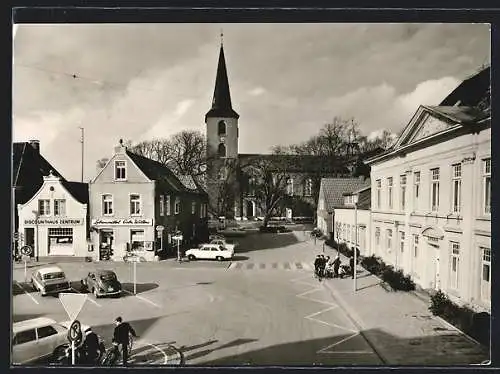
222, 146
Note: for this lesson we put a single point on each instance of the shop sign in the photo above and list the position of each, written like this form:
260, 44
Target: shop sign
122, 222
54, 221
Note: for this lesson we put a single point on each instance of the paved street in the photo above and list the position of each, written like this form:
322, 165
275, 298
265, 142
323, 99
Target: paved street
263, 308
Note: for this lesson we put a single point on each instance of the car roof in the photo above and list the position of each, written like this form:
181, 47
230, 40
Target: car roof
32, 323
50, 269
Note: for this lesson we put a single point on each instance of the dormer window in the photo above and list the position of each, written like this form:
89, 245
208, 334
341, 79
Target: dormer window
221, 151
221, 128
120, 170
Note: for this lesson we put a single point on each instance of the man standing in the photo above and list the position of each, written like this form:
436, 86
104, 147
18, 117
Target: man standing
121, 336
336, 266
91, 347
351, 265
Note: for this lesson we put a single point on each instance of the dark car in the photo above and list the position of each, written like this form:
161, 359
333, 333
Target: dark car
102, 283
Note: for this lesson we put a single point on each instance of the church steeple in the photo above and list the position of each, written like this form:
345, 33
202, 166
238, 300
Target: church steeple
221, 103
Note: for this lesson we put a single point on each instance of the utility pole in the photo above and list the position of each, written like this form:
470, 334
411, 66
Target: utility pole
355, 242
82, 140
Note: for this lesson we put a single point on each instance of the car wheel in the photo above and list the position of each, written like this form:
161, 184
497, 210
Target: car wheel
219, 258
191, 257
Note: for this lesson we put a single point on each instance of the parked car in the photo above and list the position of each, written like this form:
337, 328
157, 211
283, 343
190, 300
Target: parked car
227, 243
102, 283
210, 252
50, 280
39, 338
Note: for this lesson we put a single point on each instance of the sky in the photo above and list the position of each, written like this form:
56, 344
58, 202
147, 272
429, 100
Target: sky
145, 81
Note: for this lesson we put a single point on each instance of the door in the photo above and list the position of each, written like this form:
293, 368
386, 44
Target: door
250, 212
105, 243
29, 238
24, 347
47, 340
435, 275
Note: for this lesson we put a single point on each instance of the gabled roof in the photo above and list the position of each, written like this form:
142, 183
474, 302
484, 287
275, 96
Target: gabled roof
221, 102
156, 171
459, 114
300, 163
471, 91
334, 189
191, 184
80, 191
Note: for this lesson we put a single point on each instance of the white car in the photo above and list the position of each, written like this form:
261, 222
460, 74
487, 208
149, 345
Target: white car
35, 339
224, 243
210, 252
49, 280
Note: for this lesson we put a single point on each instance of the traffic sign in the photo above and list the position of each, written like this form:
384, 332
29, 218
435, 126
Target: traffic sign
160, 228
177, 237
72, 303
75, 330
27, 250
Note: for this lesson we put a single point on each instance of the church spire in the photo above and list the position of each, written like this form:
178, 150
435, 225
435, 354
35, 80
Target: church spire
221, 103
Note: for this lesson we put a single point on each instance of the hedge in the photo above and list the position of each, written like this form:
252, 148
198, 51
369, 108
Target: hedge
476, 325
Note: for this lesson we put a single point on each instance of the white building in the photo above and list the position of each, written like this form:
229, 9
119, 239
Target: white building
348, 216
54, 220
431, 197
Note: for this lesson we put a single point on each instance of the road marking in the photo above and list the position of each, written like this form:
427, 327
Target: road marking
88, 298
143, 299
27, 293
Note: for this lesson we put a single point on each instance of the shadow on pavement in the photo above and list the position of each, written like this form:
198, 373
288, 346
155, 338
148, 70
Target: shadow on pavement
239, 258
18, 288
446, 349
205, 352
260, 241
140, 288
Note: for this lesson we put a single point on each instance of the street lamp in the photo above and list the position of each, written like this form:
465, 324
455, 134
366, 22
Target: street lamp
36, 213
355, 198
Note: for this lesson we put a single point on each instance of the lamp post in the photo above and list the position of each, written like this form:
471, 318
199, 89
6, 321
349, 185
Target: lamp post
355, 240
36, 213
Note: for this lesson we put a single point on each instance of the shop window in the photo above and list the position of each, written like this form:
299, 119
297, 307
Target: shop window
120, 170
59, 207
135, 205
137, 240
44, 207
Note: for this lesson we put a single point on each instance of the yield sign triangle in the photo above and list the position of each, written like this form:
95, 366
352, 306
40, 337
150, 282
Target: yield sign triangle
72, 303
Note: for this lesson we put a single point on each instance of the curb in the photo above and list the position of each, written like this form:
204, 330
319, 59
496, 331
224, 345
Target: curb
351, 314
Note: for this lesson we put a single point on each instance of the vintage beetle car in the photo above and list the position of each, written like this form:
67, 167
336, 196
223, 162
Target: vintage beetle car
50, 280
102, 283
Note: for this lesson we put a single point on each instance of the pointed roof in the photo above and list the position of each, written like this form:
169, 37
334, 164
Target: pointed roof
221, 103
334, 188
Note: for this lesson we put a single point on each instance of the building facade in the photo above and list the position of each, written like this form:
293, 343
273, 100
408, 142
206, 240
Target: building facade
54, 221
137, 205
431, 194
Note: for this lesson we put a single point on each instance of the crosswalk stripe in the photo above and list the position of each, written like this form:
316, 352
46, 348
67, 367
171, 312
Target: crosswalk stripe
288, 266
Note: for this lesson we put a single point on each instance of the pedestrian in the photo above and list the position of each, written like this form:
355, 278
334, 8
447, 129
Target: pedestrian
322, 265
351, 265
91, 347
121, 336
336, 266
317, 266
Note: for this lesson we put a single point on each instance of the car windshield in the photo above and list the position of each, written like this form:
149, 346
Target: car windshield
108, 277
57, 275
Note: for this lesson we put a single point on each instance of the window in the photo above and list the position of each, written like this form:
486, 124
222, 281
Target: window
378, 185
203, 210
25, 337
435, 189
416, 187
402, 183
389, 239
167, 205
308, 187
487, 185
193, 207
135, 205
377, 236
389, 192
402, 241
60, 235
289, 186
107, 205
44, 207
454, 262
46, 331
456, 187
59, 207
486, 275
137, 240
221, 128
221, 150
177, 206
162, 205
415, 245
120, 170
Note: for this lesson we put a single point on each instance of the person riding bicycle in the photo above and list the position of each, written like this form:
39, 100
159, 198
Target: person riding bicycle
121, 336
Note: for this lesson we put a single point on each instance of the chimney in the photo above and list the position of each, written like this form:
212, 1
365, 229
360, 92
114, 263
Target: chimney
121, 148
36, 145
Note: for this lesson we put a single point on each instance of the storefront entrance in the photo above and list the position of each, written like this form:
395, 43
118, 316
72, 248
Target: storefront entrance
106, 238
29, 238
60, 241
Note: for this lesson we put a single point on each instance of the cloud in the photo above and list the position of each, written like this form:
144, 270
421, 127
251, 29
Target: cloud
257, 91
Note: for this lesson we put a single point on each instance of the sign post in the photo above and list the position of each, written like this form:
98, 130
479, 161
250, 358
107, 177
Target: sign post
178, 237
26, 252
73, 304
159, 230
135, 277
74, 334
